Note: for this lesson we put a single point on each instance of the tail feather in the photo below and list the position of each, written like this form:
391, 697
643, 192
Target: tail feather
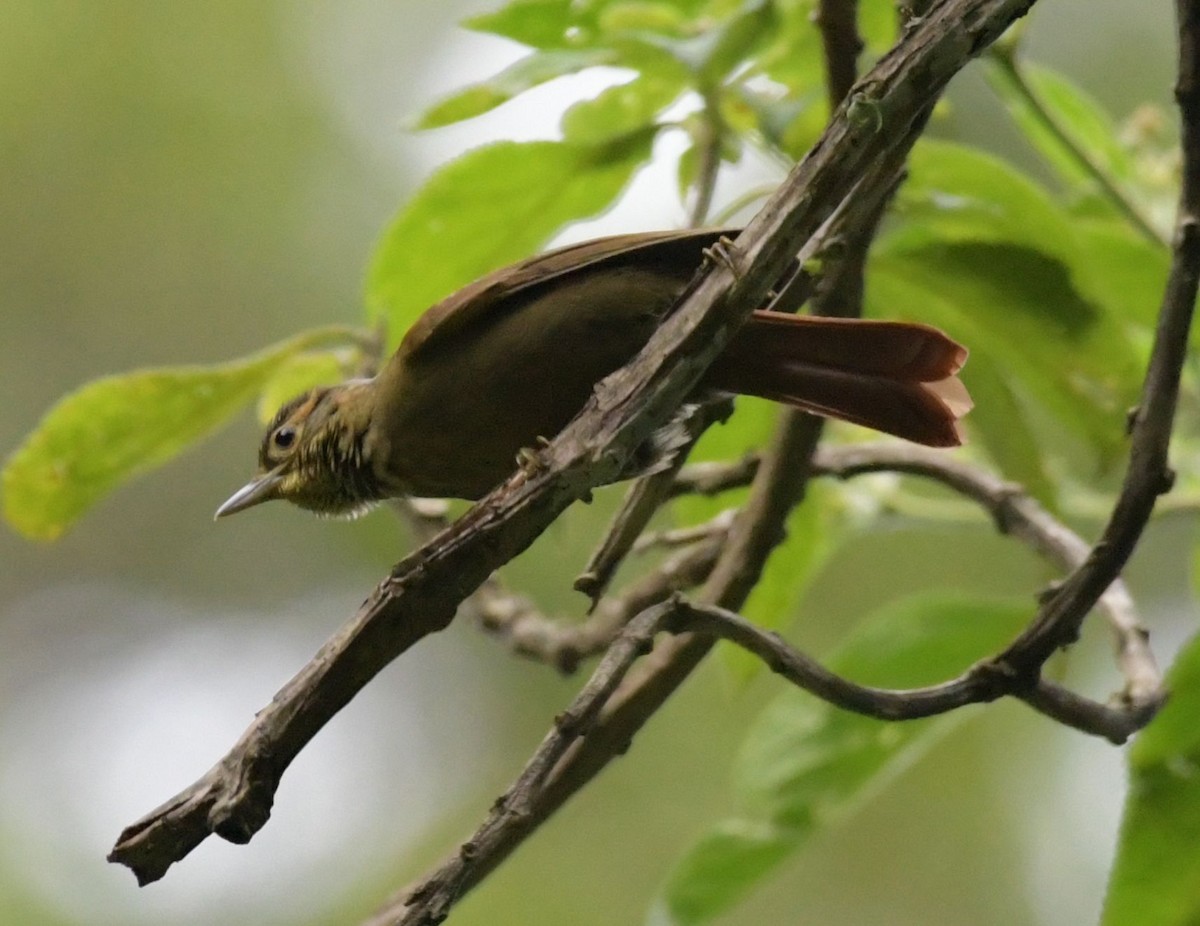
894, 377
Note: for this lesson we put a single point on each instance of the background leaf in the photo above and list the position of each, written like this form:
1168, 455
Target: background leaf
621, 110
492, 206
528, 72
805, 764
111, 429
1156, 877
296, 374
1068, 108
815, 529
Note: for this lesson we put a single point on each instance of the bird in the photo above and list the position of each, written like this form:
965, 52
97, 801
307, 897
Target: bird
506, 362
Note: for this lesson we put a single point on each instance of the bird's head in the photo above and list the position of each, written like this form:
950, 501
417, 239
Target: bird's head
315, 454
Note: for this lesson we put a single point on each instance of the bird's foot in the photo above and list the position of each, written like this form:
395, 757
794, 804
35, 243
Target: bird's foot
725, 253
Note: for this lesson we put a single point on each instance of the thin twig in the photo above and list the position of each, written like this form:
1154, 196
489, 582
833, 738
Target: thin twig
1008, 69
1018, 515
837, 22
1015, 513
531, 634
644, 498
714, 477
980, 684
714, 528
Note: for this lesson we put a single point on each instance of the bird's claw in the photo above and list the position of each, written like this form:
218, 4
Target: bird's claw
724, 252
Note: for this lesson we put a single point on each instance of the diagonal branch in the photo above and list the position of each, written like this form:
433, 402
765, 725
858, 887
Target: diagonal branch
892, 98
422, 592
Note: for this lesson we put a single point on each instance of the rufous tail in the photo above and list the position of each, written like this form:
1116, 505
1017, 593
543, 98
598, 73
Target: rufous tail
895, 377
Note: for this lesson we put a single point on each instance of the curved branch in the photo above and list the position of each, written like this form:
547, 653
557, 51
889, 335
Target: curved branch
983, 682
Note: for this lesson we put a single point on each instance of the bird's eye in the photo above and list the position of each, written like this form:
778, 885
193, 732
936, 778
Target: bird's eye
284, 438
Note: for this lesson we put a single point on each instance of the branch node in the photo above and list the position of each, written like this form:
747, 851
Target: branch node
1131, 419
588, 583
995, 678
1047, 594
570, 724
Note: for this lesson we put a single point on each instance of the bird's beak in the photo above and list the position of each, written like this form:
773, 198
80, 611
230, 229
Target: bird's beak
263, 489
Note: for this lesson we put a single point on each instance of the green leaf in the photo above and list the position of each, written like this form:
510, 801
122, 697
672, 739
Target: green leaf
780, 119
710, 54
1003, 267
622, 18
1019, 307
1124, 270
1001, 419
717, 870
621, 110
1155, 879
806, 764
805, 761
537, 23
1044, 103
114, 428
738, 38
958, 194
530, 71
815, 529
794, 57
879, 25
297, 374
490, 207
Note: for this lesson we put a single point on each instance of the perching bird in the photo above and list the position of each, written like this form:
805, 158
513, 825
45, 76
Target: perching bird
511, 358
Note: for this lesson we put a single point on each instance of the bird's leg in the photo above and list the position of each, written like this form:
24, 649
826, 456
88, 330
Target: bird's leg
724, 252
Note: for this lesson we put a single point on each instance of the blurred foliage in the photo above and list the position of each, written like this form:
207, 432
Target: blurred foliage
1156, 877
1053, 282
804, 764
113, 428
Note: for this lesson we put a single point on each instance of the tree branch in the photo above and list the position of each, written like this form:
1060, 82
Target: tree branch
980, 684
1020, 516
837, 22
896, 94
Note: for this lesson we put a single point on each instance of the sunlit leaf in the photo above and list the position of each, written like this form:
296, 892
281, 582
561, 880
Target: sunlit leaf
114, 428
1018, 307
1155, 880
954, 194
299, 373
642, 16
490, 207
522, 75
620, 110
806, 765
815, 529
1060, 120
537, 23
